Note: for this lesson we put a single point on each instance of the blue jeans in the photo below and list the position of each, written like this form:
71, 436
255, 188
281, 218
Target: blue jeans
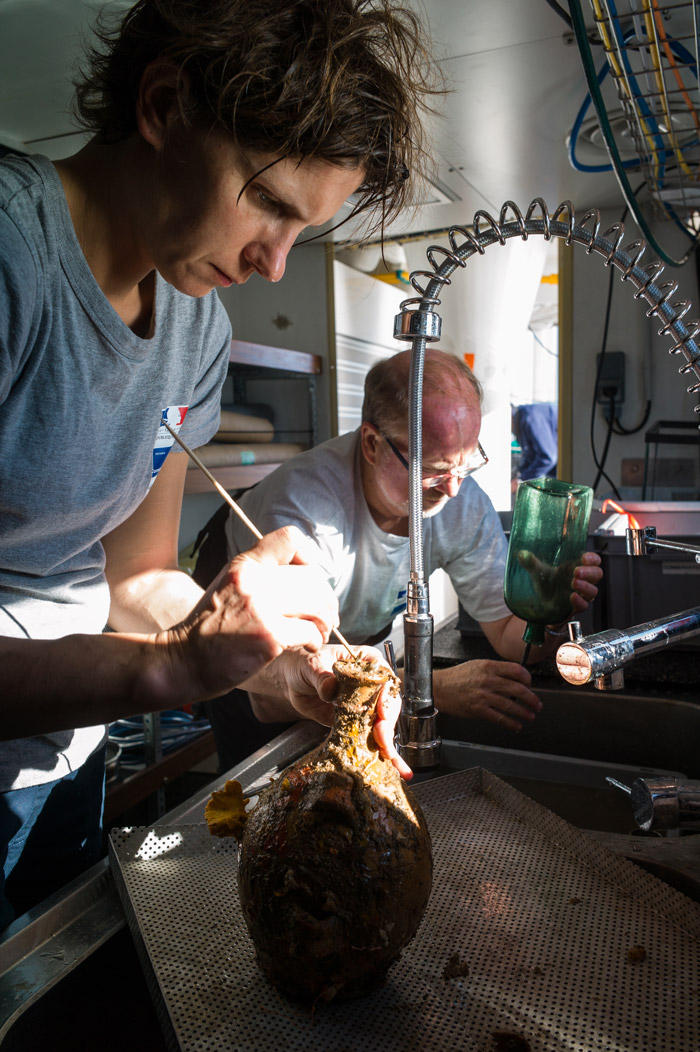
49, 834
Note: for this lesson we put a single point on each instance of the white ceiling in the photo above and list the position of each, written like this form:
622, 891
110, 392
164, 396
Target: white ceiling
516, 86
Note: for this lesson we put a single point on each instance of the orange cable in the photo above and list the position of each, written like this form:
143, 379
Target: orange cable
672, 63
608, 502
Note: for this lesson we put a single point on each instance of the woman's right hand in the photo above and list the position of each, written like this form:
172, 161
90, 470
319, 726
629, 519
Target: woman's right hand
264, 601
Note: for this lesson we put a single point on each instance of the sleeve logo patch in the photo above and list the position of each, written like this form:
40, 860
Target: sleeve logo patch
174, 415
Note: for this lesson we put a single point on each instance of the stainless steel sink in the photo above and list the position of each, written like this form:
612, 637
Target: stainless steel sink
572, 788
611, 727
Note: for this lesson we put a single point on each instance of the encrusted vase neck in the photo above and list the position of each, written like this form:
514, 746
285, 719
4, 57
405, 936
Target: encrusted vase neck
359, 682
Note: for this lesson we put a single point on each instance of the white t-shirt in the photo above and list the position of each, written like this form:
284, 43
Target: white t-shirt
320, 491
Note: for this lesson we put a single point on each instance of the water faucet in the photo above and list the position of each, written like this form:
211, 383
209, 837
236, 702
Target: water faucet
663, 803
418, 741
601, 657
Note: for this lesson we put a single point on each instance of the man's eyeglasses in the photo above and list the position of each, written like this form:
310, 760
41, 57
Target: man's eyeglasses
478, 458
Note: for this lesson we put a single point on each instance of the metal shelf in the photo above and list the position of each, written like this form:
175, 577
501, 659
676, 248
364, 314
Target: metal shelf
256, 361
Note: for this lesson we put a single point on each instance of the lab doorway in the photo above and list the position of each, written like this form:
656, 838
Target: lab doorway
534, 383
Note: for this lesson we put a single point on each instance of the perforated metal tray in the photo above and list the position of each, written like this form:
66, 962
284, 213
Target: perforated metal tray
540, 917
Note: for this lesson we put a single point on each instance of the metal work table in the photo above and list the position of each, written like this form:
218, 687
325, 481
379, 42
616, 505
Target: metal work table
58, 966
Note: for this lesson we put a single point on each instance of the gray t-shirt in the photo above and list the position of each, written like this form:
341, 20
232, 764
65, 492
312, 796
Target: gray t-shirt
320, 491
81, 441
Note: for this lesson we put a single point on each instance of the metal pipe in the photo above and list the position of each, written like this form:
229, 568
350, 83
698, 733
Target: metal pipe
415, 461
674, 546
600, 655
418, 740
641, 541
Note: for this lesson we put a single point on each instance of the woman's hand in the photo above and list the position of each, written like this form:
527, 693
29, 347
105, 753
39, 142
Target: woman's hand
264, 601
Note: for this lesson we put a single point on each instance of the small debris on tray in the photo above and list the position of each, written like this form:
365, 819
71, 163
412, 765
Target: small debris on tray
505, 1041
455, 968
636, 953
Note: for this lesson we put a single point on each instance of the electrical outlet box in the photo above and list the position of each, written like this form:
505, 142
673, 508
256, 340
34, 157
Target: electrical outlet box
611, 382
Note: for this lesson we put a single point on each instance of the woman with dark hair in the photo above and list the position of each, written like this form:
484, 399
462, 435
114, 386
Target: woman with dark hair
221, 131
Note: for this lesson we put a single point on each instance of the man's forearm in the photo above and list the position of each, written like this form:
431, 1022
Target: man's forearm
506, 638
509, 643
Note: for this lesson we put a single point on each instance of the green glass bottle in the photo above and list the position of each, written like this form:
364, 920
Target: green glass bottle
547, 539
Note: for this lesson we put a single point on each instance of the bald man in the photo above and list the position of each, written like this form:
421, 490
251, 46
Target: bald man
350, 495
